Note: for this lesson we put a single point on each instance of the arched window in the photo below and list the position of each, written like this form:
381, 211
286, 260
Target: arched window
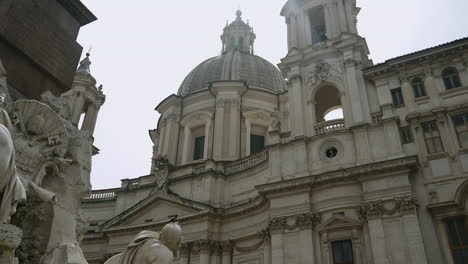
451, 78
241, 43
418, 87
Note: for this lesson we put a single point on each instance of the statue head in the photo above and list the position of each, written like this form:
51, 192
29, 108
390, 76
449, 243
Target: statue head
171, 236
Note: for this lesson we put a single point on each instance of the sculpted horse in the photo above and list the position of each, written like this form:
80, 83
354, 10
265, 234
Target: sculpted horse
150, 247
11, 188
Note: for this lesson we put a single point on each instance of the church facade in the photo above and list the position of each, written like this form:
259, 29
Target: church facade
248, 158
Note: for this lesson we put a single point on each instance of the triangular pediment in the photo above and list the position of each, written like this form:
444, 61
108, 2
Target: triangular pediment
293, 52
159, 210
156, 207
337, 221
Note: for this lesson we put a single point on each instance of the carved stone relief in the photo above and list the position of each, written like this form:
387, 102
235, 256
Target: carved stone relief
322, 72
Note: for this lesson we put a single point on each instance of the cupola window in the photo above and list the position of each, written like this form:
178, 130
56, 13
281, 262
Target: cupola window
343, 252
451, 78
318, 27
257, 143
199, 148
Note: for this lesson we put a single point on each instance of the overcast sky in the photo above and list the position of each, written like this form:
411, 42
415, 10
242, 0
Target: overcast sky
142, 50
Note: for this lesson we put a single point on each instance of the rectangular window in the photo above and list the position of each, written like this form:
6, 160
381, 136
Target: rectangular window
397, 97
458, 239
406, 135
343, 252
199, 148
432, 137
257, 143
461, 127
318, 28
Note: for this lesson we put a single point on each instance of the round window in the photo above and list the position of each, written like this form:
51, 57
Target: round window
331, 152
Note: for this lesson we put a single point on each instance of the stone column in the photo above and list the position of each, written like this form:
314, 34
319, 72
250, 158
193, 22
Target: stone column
357, 247
414, 238
89, 123
408, 94
431, 88
356, 94
305, 239
162, 138
234, 129
187, 143
215, 253
342, 17
207, 138
10, 239
205, 249
247, 137
77, 109
226, 248
377, 237
297, 117
326, 254
266, 250
308, 33
444, 241
184, 253
277, 227
218, 133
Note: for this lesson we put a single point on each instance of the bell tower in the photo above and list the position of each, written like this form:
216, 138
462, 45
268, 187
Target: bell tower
311, 22
324, 64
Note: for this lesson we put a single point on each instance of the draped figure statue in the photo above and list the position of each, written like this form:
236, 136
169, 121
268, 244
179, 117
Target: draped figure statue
150, 247
11, 188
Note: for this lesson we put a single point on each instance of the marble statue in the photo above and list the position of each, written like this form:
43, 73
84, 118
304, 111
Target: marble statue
11, 188
150, 247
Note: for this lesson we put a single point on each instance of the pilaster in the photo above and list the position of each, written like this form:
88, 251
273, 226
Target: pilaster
296, 96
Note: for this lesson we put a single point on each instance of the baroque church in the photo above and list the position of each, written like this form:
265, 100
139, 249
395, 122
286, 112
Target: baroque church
249, 160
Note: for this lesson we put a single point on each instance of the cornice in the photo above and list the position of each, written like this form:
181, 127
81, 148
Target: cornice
78, 10
339, 175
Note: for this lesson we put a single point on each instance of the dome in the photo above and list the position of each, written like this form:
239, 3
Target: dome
234, 66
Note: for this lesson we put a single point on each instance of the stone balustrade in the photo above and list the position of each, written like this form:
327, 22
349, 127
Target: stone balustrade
246, 163
132, 184
376, 117
102, 195
329, 126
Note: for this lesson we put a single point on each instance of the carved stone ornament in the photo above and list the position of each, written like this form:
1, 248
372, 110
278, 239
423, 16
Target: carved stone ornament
306, 221
161, 169
277, 224
184, 250
275, 121
322, 72
40, 136
376, 209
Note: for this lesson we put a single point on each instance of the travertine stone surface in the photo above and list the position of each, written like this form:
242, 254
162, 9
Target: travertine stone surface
10, 239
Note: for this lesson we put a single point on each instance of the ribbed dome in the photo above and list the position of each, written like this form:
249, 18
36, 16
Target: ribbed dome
234, 66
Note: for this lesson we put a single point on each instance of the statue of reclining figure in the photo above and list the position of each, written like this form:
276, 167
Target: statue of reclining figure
150, 247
